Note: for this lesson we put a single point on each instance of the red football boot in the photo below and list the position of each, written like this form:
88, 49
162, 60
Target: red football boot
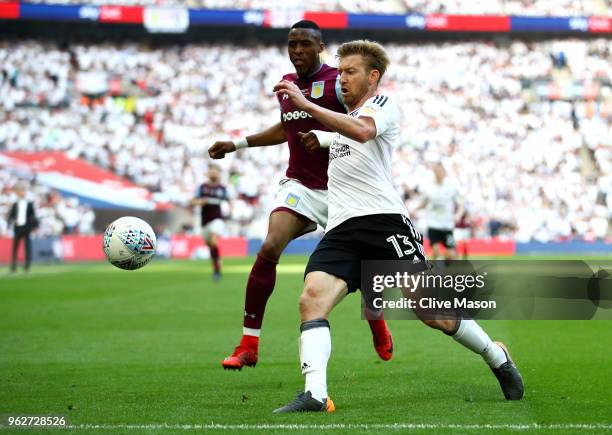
245, 354
383, 341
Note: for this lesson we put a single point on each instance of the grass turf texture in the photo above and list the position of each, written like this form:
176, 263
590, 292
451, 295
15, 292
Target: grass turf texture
103, 346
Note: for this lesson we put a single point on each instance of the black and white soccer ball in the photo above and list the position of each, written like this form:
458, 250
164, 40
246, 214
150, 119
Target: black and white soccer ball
129, 243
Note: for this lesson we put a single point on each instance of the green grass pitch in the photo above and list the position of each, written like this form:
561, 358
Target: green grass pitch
140, 352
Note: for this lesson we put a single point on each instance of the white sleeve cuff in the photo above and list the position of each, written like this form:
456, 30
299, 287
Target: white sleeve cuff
241, 143
325, 137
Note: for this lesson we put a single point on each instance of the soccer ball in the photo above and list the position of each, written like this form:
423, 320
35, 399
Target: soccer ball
129, 243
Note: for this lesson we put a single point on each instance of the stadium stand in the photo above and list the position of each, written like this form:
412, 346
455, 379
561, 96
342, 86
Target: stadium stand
149, 114
506, 7
56, 214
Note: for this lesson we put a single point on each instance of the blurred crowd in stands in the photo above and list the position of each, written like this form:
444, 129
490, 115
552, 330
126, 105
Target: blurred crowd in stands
56, 214
530, 161
464, 7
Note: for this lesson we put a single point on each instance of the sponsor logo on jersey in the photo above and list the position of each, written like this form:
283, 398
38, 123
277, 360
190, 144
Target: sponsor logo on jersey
339, 149
295, 115
292, 200
317, 90
368, 111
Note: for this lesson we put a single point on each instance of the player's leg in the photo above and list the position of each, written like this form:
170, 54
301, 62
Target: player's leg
283, 227
470, 335
461, 238
407, 245
314, 204
16, 239
449, 243
435, 251
434, 242
212, 240
28, 251
381, 335
333, 270
322, 292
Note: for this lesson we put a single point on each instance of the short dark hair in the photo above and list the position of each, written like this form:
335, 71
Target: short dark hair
307, 24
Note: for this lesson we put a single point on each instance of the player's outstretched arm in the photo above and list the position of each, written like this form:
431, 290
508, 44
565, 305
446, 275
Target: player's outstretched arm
271, 136
360, 129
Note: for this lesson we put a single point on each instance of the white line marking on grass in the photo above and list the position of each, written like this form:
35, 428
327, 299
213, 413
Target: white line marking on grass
382, 426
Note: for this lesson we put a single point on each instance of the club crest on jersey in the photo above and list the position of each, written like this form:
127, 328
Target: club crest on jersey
292, 200
317, 90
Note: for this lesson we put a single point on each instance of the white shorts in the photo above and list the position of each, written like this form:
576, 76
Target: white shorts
462, 233
296, 198
216, 226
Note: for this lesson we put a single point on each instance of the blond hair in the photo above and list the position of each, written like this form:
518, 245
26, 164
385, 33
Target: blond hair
374, 55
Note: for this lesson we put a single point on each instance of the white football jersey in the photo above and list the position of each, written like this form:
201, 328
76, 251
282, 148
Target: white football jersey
441, 200
360, 182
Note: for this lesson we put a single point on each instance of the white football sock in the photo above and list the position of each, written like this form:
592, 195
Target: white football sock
472, 336
315, 349
251, 331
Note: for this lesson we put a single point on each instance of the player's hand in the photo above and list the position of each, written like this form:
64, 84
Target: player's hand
310, 141
285, 87
220, 148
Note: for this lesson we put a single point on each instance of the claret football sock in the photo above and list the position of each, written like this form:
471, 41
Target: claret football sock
472, 336
259, 288
315, 349
214, 255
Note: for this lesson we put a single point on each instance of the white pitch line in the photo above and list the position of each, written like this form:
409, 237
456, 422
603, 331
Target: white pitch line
382, 426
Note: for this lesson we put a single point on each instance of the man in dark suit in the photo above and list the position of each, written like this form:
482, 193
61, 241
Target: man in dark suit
24, 219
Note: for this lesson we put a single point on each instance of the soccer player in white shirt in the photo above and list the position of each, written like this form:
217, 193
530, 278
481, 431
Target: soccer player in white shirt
443, 207
367, 221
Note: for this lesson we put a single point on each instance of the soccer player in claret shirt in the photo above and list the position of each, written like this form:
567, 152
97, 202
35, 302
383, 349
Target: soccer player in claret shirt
302, 194
367, 221
209, 197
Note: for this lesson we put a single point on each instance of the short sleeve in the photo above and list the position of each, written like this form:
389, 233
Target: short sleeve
382, 111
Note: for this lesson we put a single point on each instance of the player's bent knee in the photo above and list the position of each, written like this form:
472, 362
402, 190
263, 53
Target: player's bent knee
310, 304
310, 294
314, 301
271, 248
213, 240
